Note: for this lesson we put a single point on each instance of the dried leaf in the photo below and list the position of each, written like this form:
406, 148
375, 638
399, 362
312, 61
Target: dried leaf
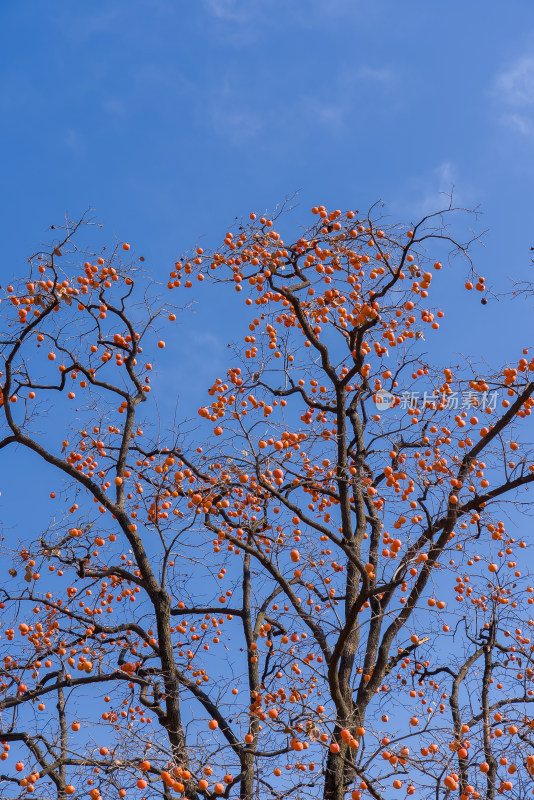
313, 731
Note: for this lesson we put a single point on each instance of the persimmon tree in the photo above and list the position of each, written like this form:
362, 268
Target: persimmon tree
320, 587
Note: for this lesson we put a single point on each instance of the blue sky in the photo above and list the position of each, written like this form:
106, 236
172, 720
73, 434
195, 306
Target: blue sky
170, 118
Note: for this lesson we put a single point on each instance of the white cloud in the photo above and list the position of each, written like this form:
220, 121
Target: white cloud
515, 86
514, 90
114, 106
432, 191
236, 124
521, 123
436, 188
229, 10
384, 76
331, 115
232, 116
336, 112
444, 175
74, 141
91, 24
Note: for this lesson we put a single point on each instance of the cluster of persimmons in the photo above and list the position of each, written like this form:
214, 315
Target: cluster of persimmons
309, 589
